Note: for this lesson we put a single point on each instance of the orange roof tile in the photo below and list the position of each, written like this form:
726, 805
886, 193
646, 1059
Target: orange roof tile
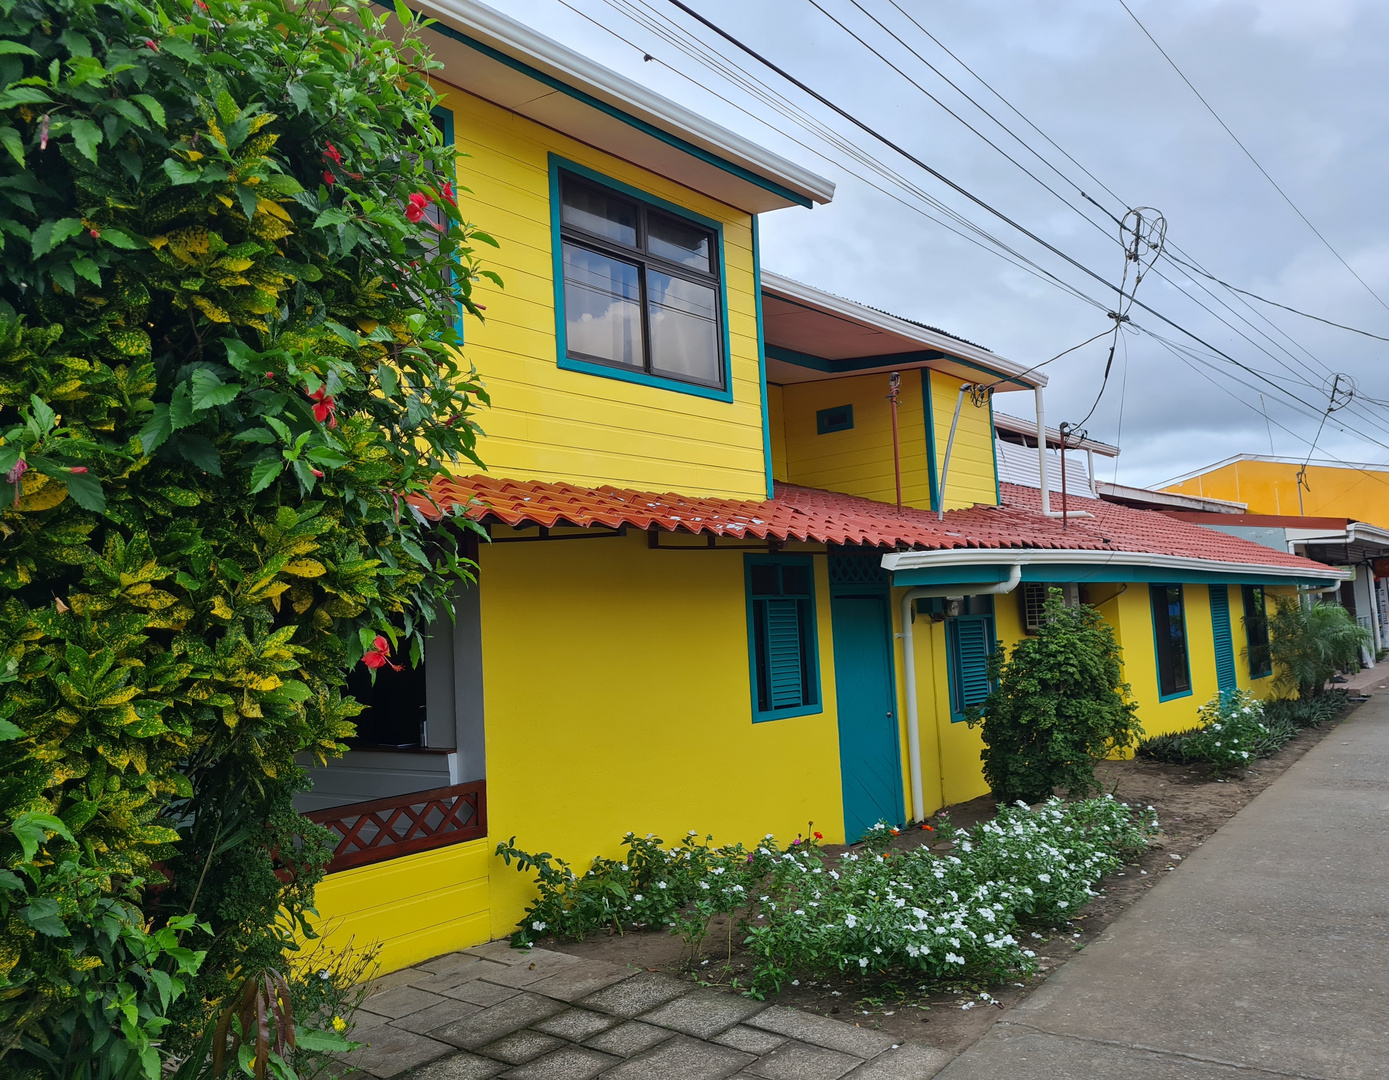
808, 514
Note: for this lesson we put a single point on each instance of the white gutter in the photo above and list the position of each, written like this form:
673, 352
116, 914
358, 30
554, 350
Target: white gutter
508, 36
1042, 453
909, 675
917, 560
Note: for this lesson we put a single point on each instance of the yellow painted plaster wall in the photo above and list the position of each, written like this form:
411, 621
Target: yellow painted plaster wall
1270, 487
413, 907
618, 699
555, 425
857, 461
972, 478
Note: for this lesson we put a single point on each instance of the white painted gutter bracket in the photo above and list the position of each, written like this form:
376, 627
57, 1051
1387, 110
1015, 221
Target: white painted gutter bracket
909, 672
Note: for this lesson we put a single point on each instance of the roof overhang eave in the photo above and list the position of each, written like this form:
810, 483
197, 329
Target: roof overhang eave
493, 30
808, 296
1311, 574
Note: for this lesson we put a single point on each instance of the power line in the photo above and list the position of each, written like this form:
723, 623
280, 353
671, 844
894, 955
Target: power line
1250, 156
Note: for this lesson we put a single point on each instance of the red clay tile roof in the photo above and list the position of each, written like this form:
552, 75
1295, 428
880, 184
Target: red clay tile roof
799, 513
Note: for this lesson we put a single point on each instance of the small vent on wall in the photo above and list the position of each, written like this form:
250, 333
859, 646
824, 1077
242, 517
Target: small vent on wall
1033, 596
839, 418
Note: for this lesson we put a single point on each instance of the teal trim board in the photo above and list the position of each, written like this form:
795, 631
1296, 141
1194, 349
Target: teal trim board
588, 367
931, 477
993, 448
1224, 640
870, 767
762, 355
618, 114
1086, 573
443, 118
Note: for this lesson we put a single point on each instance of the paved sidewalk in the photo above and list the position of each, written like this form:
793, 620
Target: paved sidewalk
1265, 955
540, 1015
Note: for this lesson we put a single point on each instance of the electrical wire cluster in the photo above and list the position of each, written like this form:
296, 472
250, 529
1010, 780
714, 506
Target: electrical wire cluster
1301, 377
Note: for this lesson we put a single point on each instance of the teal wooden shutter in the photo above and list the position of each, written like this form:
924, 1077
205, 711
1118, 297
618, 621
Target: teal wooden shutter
974, 637
784, 669
1224, 643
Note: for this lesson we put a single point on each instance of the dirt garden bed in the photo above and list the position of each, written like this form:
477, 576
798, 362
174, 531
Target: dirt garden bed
1190, 805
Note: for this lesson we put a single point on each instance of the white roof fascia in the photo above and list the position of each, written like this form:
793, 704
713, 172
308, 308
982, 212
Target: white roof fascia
514, 39
880, 320
916, 560
1175, 500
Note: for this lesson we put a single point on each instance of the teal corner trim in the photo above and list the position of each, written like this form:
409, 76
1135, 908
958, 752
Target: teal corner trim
627, 118
993, 447
762, 355
931, 477
1152, 619
818, 706
588, 367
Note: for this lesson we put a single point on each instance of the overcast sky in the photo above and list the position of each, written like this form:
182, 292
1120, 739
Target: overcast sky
1303, 83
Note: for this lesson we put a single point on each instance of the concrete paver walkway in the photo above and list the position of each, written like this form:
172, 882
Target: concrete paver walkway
540, 1015
1265, 955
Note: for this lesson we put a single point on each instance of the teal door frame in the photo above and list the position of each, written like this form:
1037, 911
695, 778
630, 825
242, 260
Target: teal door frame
870, 762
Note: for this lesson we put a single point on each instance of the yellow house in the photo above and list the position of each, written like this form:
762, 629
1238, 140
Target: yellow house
749, 547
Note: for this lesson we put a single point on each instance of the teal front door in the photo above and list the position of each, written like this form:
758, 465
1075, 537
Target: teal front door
868, 763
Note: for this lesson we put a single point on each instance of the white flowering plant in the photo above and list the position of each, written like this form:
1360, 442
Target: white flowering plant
802, 912
1232, 731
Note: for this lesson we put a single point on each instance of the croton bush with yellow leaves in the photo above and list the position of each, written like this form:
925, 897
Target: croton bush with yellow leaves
232, 276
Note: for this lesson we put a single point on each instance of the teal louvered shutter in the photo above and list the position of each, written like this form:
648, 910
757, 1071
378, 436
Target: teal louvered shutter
784, 657
973, 636
1224, 643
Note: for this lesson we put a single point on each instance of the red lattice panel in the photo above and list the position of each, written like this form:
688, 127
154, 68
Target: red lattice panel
403, 824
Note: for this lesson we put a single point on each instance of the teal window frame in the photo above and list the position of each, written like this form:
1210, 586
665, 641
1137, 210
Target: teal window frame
808, 639
838, 418
444, 119
1165, 620
560, 165
954, 662
1259, 657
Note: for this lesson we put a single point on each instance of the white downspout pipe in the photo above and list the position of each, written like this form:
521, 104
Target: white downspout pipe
1042, 450
909, 669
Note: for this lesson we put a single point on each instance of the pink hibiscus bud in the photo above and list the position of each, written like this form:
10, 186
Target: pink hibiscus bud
78, 469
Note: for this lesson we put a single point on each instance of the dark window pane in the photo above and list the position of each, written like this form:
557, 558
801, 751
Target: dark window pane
684, 328
600, 213
602, 307
678, 241
1169, 631
394, 713
766, 581
795, 580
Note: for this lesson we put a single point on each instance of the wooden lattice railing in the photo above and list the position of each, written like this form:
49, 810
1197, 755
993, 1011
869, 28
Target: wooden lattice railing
403, 824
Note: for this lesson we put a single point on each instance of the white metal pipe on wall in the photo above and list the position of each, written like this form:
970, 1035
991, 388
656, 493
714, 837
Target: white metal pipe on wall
909, 672
1042, 449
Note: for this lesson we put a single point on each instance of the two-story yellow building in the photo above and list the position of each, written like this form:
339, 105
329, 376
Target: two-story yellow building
749, 550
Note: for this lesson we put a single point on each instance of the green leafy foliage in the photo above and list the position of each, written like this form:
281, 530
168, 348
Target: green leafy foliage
800, 912
228, 371
1310, 643
1059, 704
1236, 728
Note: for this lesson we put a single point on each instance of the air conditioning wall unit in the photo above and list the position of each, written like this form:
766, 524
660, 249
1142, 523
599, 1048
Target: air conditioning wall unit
1032, 595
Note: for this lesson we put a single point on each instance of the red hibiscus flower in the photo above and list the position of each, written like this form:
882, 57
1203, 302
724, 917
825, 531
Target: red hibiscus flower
324, 406
333, 154
378, 656
447, 192
415, 207
329, 178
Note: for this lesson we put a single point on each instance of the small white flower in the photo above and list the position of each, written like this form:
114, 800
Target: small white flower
1044, 878
637, 898
537, 926
660, 884
850, 920
863, 961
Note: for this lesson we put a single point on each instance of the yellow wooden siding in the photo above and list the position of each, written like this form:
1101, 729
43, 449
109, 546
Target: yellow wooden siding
554, 425
618, 698
413, 907
776, 422
972, 479
1270, 487
857, 461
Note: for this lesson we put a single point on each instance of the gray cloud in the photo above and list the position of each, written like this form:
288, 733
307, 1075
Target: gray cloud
1302, 84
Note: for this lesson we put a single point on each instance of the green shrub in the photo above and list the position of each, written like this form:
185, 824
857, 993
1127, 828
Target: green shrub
1311, 643
1236, 728
1059, 704
227, 368
1309, 713
802, 913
